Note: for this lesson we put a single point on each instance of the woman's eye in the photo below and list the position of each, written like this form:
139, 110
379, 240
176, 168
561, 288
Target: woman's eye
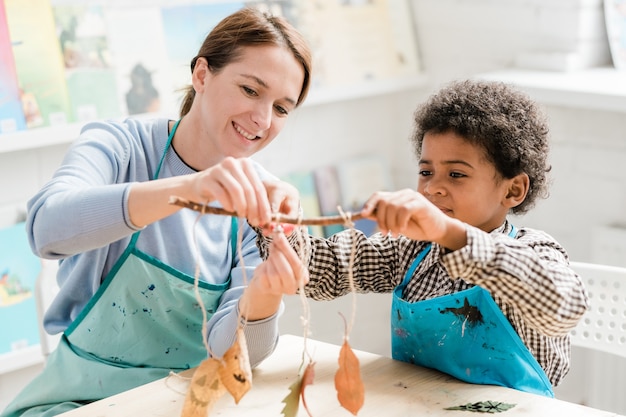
457, 175
424, 173
249, 91
281, 110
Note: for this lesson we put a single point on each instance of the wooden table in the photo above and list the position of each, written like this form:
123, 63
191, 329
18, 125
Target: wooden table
392, 388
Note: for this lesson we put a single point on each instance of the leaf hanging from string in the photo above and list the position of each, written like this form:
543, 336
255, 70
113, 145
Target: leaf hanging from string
214, 376
307, 379
292, 400
296, 389
235, 372
205, 389
348, 383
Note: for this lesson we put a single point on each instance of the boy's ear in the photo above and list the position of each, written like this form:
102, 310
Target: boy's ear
518, 189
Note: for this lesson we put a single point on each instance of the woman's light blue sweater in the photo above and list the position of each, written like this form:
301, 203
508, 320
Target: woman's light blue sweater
80, 217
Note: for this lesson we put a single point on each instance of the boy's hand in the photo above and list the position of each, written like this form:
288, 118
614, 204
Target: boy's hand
409, 213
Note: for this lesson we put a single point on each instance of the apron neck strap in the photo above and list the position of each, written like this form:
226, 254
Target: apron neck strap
167, 146
234, 228
418, 259
420, 256
233, 223
133, 240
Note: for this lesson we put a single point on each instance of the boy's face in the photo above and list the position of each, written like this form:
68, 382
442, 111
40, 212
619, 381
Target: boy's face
456, 176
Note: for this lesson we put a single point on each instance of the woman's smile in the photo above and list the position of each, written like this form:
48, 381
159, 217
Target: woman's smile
245, 133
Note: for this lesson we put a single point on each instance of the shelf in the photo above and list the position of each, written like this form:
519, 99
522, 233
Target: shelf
64, 134
594, 89
39, 137
319, 96
20, 359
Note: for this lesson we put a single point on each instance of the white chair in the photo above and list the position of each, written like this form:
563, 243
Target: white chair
598, 365
603, 327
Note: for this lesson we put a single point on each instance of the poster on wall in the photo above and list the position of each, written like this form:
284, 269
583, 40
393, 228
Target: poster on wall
329, 195
360, 40
11, 114
615, 15
19, 269
144, 84
304, 181
185, 28
87, 59
359, 177
38, 62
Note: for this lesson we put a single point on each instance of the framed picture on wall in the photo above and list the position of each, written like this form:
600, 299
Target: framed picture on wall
19, 269
615, 15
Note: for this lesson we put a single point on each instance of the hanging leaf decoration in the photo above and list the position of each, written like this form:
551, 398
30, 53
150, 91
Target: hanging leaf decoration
307, 379
484, 407
292, 400
235, 372
348, 383
205, 389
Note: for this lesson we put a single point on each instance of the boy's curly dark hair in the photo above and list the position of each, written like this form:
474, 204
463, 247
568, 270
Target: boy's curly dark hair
506, 123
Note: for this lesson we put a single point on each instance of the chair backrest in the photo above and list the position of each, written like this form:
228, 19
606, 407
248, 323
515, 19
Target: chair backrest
603, 327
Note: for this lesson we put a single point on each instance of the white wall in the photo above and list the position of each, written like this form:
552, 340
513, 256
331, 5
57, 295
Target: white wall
589, 188
323, 134
460, 39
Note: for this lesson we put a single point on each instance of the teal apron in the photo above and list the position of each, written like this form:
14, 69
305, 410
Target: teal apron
465, 335
143, 322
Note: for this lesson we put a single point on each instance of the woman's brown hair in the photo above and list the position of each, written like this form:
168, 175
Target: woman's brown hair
250, 27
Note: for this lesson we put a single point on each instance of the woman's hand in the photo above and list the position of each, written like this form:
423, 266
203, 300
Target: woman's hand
284, 198
236, 185
282, 273
233, 182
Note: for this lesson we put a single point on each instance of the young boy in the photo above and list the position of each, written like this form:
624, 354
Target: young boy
473, 295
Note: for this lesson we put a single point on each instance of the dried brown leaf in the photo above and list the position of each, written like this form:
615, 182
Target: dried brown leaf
235, 372
348, 383
307, 379
204, 390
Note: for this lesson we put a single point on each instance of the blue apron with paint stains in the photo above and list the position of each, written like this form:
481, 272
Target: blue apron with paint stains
465, 335
143, 322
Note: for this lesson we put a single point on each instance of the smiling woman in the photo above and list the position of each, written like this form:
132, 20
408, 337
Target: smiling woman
241, 107
129, 259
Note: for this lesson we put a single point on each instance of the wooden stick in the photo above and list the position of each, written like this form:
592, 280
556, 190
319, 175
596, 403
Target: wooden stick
312, 221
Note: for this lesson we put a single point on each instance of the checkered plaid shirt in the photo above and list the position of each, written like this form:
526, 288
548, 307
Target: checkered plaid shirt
528, 277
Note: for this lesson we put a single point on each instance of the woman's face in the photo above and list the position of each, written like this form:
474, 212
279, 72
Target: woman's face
245, 105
